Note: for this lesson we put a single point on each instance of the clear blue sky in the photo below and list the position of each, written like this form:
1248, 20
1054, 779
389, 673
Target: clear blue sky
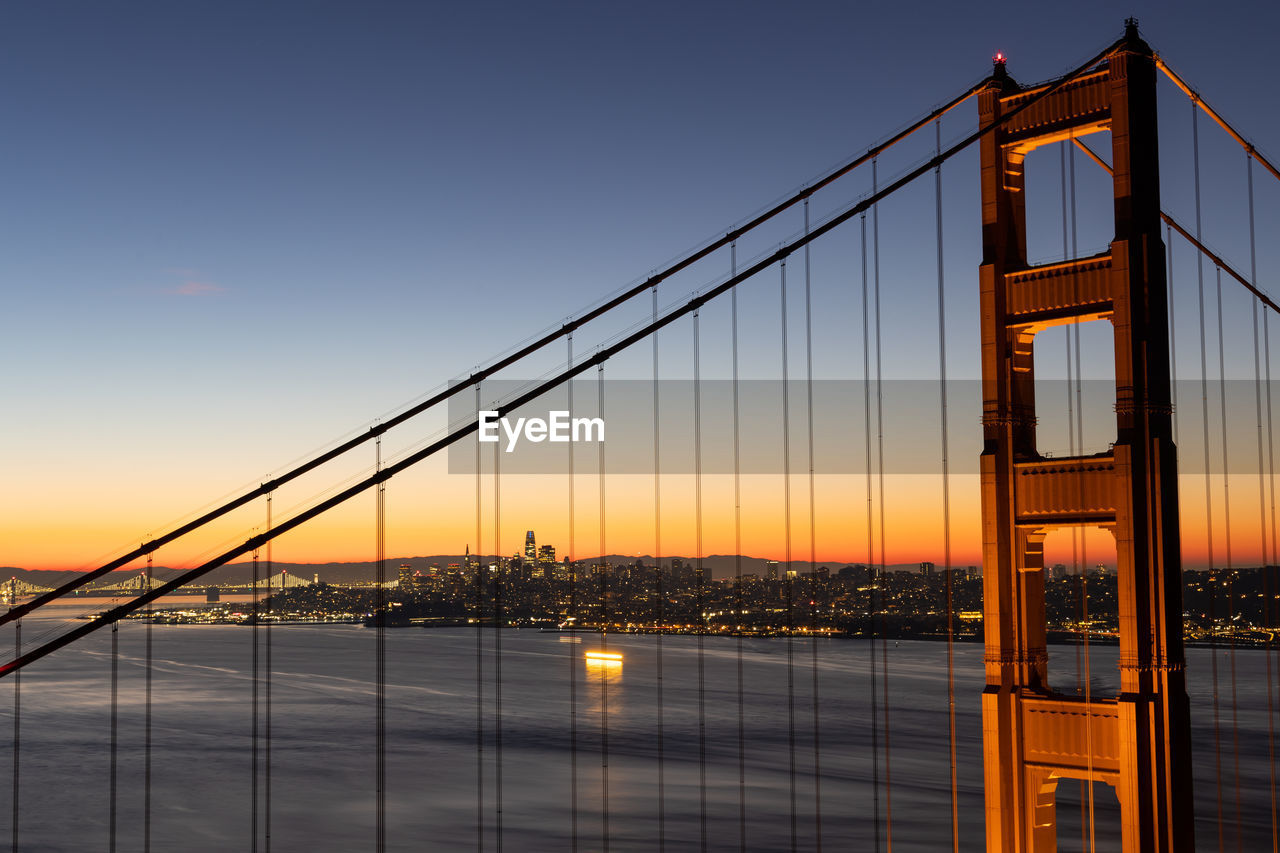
234, 231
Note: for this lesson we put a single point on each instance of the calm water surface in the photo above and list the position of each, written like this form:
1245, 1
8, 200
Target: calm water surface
441, 797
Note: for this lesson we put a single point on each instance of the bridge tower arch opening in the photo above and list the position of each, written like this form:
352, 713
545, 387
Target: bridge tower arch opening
1139, 740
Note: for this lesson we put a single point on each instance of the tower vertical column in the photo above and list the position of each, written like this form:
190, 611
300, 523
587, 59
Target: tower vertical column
1138, 742
1154, 713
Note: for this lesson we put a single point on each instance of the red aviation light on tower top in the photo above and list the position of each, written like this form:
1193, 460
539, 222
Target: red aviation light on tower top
999, 58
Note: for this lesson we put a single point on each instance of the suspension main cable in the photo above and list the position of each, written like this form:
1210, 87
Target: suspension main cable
518, 355
1217, 259
1197, 100
602, 354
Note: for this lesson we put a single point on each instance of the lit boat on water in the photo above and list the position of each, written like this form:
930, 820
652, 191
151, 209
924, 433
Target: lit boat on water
603, 657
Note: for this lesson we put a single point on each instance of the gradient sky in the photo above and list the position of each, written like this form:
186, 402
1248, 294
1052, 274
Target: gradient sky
235, 232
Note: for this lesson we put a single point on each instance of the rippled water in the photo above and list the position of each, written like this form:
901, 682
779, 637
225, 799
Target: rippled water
323, 747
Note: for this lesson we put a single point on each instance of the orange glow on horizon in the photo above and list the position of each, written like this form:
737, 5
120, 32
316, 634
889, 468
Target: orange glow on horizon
436, 515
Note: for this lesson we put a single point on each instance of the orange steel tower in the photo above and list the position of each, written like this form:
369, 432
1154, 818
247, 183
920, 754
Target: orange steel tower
1139, 741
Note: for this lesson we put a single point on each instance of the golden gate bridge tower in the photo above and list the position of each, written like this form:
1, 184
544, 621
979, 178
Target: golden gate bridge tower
1034, 736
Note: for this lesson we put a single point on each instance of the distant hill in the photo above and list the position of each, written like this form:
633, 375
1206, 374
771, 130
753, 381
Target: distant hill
719, 565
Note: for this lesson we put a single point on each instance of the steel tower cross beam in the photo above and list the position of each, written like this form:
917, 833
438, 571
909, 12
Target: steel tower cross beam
1137, 742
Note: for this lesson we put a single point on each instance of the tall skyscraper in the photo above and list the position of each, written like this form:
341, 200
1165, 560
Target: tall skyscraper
530, 549
547, 561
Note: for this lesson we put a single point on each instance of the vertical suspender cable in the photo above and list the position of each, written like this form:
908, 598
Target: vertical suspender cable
253, 725
1173, 335
878, 576
1271, 505
115, 729
497, 645
380, 655
480, 593
787, 579
1075, 334
1267, 557
1084, 544
1173, 345
873, 581
17, 729
1208, 499
1072, 448
699, 581
604, 630
1226, 522
737, 554
814, 592
1071, 420
660, 611
1075, 327
1062, 160
266, 710
1079, 545
146, 724
1086, 628
571, 619
1089, 810
1072, 451
946, 505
